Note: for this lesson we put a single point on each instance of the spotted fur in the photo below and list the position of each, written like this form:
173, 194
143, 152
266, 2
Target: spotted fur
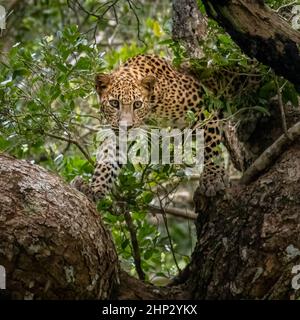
147, 87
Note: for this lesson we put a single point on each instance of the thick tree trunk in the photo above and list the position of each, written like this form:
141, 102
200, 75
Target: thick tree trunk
260, 33
53, 243
248, 242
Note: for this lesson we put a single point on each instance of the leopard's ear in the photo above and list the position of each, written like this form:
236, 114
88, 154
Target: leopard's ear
148, 83
101, 82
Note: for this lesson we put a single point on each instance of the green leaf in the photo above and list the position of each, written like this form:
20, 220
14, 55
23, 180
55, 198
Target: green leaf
55, 92
262, 110
191, 117
83, 63
166, 42
148, 254
62, 67
289, 93
20, 72
268, 90
125, 243
225, 39
147, 197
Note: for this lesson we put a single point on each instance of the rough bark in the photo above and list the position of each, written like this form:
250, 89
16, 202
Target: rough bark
14, 10
53, 243
248, 242
189, 26
260, 33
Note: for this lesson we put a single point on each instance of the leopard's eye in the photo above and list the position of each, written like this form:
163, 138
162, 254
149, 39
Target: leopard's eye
114, 103
137, 104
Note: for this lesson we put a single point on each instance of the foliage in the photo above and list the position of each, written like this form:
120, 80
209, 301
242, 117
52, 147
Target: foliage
49, 112
42, 87
49, 108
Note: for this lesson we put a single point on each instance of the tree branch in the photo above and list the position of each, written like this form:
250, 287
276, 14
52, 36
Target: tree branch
53, 242
189, 26
135, 245
261, 33
281, 107
181, 213
270, 154
73, 141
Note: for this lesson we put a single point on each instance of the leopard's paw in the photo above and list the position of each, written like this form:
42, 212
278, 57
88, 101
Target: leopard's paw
212, 185
78, 183
81, 185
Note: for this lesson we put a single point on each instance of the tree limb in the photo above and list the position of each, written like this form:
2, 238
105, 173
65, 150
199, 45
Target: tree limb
189, 26
261, 33
248, 241
270, 154
181, 213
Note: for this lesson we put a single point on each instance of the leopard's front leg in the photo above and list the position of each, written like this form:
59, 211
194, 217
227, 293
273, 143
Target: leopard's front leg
213, 179
106, 171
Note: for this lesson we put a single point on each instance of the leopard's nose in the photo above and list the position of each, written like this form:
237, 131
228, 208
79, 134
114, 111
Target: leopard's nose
125, 125
126, 120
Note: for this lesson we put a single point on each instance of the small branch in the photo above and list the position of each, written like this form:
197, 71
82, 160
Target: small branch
163, 211
270, 154
135, 245
286, 6
84, 126
133, 9
89, 116
103, 8
73, 141
182, 213
93, 14
281, 106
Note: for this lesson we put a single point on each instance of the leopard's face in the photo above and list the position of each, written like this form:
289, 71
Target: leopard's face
125, 101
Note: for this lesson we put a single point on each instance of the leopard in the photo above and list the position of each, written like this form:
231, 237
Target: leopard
148, 87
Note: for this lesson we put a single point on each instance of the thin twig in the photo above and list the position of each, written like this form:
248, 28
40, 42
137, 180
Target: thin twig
169, 235
281, 106
133, 7
85, 126
89, 116
73, 141
286, 5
